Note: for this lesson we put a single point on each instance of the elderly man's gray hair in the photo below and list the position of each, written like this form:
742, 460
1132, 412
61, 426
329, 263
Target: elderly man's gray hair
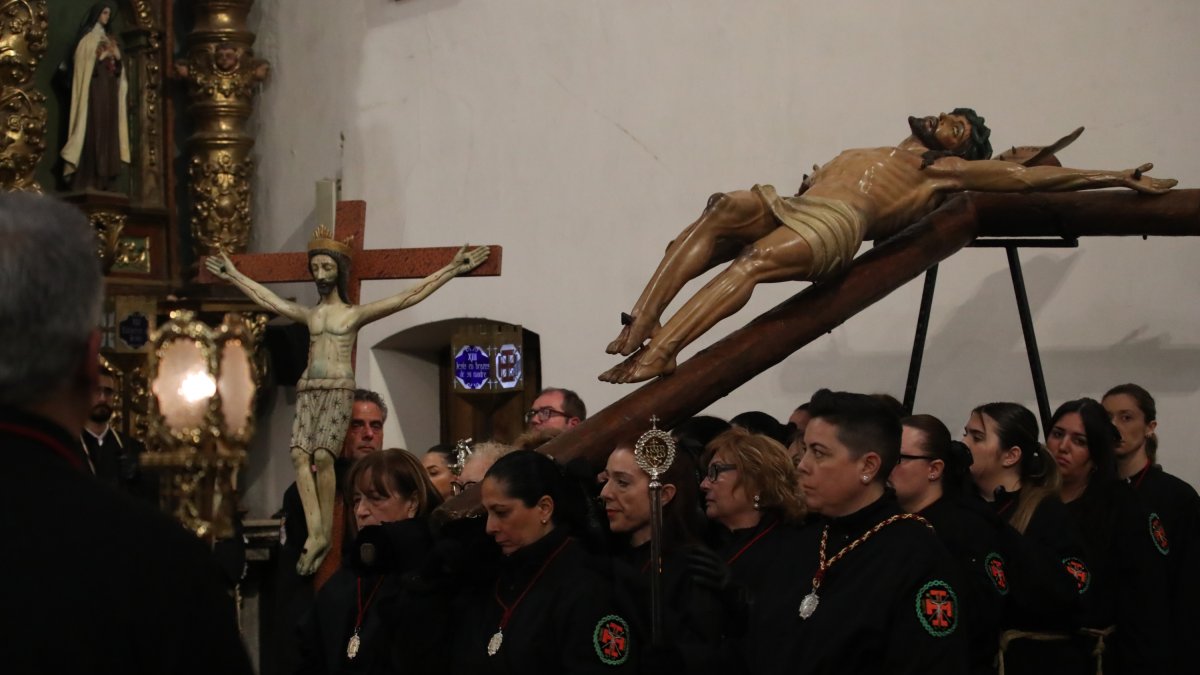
51, 298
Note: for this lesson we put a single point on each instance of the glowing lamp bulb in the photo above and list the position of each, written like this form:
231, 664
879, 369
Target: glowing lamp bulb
197, 386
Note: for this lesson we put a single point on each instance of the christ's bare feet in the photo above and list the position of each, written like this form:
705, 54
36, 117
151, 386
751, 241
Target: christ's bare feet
315, 548
633, 336
642, 366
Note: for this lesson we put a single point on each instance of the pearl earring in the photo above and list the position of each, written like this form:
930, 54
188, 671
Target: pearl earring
866, 478
756, 502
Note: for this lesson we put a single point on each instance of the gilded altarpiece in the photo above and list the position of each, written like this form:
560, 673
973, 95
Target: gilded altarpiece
184, 76
137, 240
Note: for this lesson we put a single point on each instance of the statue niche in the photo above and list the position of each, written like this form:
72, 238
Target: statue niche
87, 123
97, 144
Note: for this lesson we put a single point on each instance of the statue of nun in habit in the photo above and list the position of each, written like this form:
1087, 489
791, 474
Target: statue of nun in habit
98, 130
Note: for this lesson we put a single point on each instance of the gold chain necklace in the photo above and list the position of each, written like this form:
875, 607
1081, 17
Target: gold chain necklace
809, 604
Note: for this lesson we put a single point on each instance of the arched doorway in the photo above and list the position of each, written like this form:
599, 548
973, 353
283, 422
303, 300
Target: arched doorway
417, 371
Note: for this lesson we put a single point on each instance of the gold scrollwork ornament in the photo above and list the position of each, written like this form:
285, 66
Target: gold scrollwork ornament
108, 226
24, 27
22, 141
24, 31
133, 255
221, 202
224, 71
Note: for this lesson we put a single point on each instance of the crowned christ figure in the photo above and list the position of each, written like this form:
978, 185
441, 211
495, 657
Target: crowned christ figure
325, 392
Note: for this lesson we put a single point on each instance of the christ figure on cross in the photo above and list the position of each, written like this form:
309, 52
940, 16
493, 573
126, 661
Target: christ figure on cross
325, 392
865, 193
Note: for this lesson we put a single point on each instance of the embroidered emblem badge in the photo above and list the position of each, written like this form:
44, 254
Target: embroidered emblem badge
1159, 534
1080, 572
611, 640
937, 608
993, 564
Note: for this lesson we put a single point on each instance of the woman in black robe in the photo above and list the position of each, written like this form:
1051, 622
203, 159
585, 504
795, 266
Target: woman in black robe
362, 620
1127, 545
549, 606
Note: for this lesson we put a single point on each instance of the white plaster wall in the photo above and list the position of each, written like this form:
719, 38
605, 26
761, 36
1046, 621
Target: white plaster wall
582, 135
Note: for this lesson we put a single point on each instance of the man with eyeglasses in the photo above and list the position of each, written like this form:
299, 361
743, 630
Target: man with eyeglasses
555, 408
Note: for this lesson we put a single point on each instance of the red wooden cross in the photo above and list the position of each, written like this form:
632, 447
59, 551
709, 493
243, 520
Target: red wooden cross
384, 263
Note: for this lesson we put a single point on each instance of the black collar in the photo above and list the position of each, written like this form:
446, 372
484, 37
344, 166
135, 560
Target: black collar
869, 516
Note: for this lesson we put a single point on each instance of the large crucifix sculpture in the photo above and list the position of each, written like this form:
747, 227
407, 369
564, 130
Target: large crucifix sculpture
865, 193
741, 356
326, 388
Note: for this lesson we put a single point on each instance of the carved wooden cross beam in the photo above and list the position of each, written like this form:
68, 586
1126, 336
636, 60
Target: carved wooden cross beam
387, 263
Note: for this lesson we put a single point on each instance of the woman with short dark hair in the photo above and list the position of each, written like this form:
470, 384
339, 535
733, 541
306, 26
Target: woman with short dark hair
874, 591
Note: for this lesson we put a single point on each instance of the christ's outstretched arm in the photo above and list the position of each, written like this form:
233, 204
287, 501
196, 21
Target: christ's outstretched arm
999, 176
464, 261
221, 266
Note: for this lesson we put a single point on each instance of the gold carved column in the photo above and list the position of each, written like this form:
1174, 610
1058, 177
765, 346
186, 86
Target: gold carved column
222, 77
24, 27
143, 49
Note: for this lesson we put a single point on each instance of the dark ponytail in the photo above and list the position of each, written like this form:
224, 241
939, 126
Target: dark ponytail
956, 457
1016, 426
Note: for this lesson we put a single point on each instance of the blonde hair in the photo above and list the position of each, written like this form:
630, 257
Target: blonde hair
490, 450
486, 452
764, 468
535, 438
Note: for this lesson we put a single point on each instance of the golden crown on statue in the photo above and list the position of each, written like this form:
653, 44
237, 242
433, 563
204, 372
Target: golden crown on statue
323, 240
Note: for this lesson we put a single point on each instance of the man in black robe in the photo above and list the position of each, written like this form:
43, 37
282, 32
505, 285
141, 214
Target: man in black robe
96, 583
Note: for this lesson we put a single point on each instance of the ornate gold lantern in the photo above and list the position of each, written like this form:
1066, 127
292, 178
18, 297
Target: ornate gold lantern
202, 385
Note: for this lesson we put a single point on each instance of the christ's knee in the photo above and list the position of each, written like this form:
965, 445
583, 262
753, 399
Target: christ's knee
752, 265
301, 459
322, 459
738, 207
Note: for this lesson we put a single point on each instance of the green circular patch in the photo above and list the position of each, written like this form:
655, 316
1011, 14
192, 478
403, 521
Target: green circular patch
1158, 534
937, 608
993, 564
1078, 571
611, 640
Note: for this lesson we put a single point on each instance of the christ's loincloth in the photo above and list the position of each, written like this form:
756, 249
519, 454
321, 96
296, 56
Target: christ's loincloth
323, 409
830, 227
